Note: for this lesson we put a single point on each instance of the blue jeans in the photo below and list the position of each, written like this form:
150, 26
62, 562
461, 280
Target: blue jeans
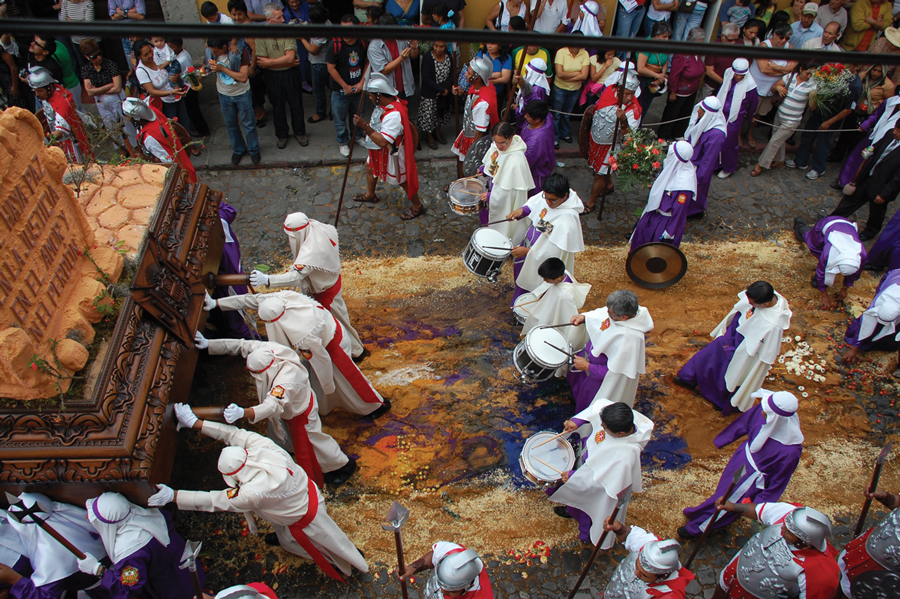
685, 22
814, 144
320, 87
238, 110
563, 100
628, 23
343, 107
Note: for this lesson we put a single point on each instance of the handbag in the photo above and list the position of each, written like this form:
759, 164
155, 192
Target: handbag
687, 6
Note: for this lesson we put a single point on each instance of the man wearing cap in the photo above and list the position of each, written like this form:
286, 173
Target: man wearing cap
316, 271
665, 214
63, 121
745, 345
770, 453
601, 145
827, 41
876, 549
144, 548
834, 241
739, 100
790, 558
262, 479
392, 150
458, 572
876, 328
706, 132
480, 113
287, 401
806, 28
651, 570
302, 323
157, 135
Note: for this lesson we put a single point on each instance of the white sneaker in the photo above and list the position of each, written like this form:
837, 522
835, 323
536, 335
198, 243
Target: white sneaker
361, 142
345, 150
812, 175
723, 175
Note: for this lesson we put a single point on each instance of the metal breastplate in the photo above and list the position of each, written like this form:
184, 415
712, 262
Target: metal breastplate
603, 125
469, 117
883, 544
766, 566
432, 589
375, 123
624, 583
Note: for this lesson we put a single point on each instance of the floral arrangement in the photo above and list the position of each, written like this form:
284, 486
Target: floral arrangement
832, 86
639, 160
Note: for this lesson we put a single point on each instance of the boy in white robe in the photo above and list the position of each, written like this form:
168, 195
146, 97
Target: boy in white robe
612, 439
510, 180
316, 271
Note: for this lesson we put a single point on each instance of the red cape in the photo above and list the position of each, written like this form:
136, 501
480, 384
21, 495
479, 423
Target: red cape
822, 573
610, 96
161, 131
489, 95
674, 589
409, 146
62, 102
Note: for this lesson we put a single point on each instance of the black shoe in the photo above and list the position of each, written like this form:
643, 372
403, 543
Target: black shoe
567, 139
800, 229
556, 145
282, 143
866, 235
302, 139
365, 354
336, 478
562, 512
873, 267
272, 539
696, 216
236, 158
384, 409
682, 382
684, 534
836, 184
255, 158
261, 123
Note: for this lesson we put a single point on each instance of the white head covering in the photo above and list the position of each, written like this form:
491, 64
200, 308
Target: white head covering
125, 527
50, 560
260, 470
267, 361
512, 172
616, 77
740, 66
313, 244
536, 76
884, 310
712, 119
565, 220
845, 255
678, 174
611, 337
11, 548
587, 22
291, 317
782, 423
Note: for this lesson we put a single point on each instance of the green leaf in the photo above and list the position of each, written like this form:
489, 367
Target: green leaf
262, 268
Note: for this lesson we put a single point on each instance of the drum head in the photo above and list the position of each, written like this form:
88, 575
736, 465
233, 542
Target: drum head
487, 237
466, 192
558, 453
538, 343
656, 265
525, 298
476, 154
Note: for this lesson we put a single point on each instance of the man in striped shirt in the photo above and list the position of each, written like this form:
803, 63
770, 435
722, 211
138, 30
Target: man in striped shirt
794, 88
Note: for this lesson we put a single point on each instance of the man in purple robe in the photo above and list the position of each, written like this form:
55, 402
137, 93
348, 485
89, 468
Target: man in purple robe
885, 253
706, 131
876, 328
739, 100
538, 136
770, 454
665, 215
835, 242
233, 323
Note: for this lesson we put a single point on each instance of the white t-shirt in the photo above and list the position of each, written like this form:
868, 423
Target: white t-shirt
659, 15
552, 17
185, 59
764, 83
159, 79
480, 116
163, 55
155, 148
223, 20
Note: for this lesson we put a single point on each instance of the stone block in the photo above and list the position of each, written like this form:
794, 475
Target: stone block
122, 176
114, 218
109, 261
88, 291
154, 174
134, 197
72, 355
142, 216
16, 351
102, 201
133, 236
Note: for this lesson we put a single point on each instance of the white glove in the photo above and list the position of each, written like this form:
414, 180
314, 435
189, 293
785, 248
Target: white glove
760, 393
200, 341
233, 413
162, 497
258, 278
89, 565
185, 415
208, 302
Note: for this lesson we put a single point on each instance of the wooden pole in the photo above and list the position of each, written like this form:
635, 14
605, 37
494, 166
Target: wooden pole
455, 82
362, 99
734, 481
512, 82
879, 464
620, 93
599, 544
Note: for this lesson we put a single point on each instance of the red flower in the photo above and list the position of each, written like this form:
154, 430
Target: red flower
826, 70
654, 151
656, 165
635, 166
33, 366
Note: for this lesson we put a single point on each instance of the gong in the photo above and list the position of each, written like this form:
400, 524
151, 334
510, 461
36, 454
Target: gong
656, 265
476, 154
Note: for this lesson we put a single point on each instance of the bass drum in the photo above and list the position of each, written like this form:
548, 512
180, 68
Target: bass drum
476, 154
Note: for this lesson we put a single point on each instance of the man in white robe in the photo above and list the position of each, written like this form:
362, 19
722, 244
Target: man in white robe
612, 438
613, 360
287, 400
263, 479
299, 322
316, 271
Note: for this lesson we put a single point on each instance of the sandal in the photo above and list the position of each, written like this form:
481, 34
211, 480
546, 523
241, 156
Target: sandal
361, 197
756, 172
751, 143
610, 190
589, 209
411, 214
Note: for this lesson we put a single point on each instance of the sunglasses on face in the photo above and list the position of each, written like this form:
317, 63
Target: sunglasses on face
93, 56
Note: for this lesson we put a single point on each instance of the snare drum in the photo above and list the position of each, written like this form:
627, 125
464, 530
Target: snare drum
520, 312
465, 196
537, 361
482, 257
558, 453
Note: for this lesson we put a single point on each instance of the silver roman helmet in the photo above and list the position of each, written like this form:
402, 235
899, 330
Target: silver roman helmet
483, 67
660, 557
631, 81
458, 571
810, 526
379, 84
240, 591
136, 109
40, 77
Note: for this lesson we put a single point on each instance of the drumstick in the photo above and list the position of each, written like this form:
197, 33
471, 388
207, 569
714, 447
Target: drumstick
551, 439
531, 302
560, 350
545, 463
497, 222
471, 193
556, 326
493, 247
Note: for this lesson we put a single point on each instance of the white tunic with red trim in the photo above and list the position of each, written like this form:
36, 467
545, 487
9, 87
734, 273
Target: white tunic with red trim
480, 590
58, 124
385, 163
481, 120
